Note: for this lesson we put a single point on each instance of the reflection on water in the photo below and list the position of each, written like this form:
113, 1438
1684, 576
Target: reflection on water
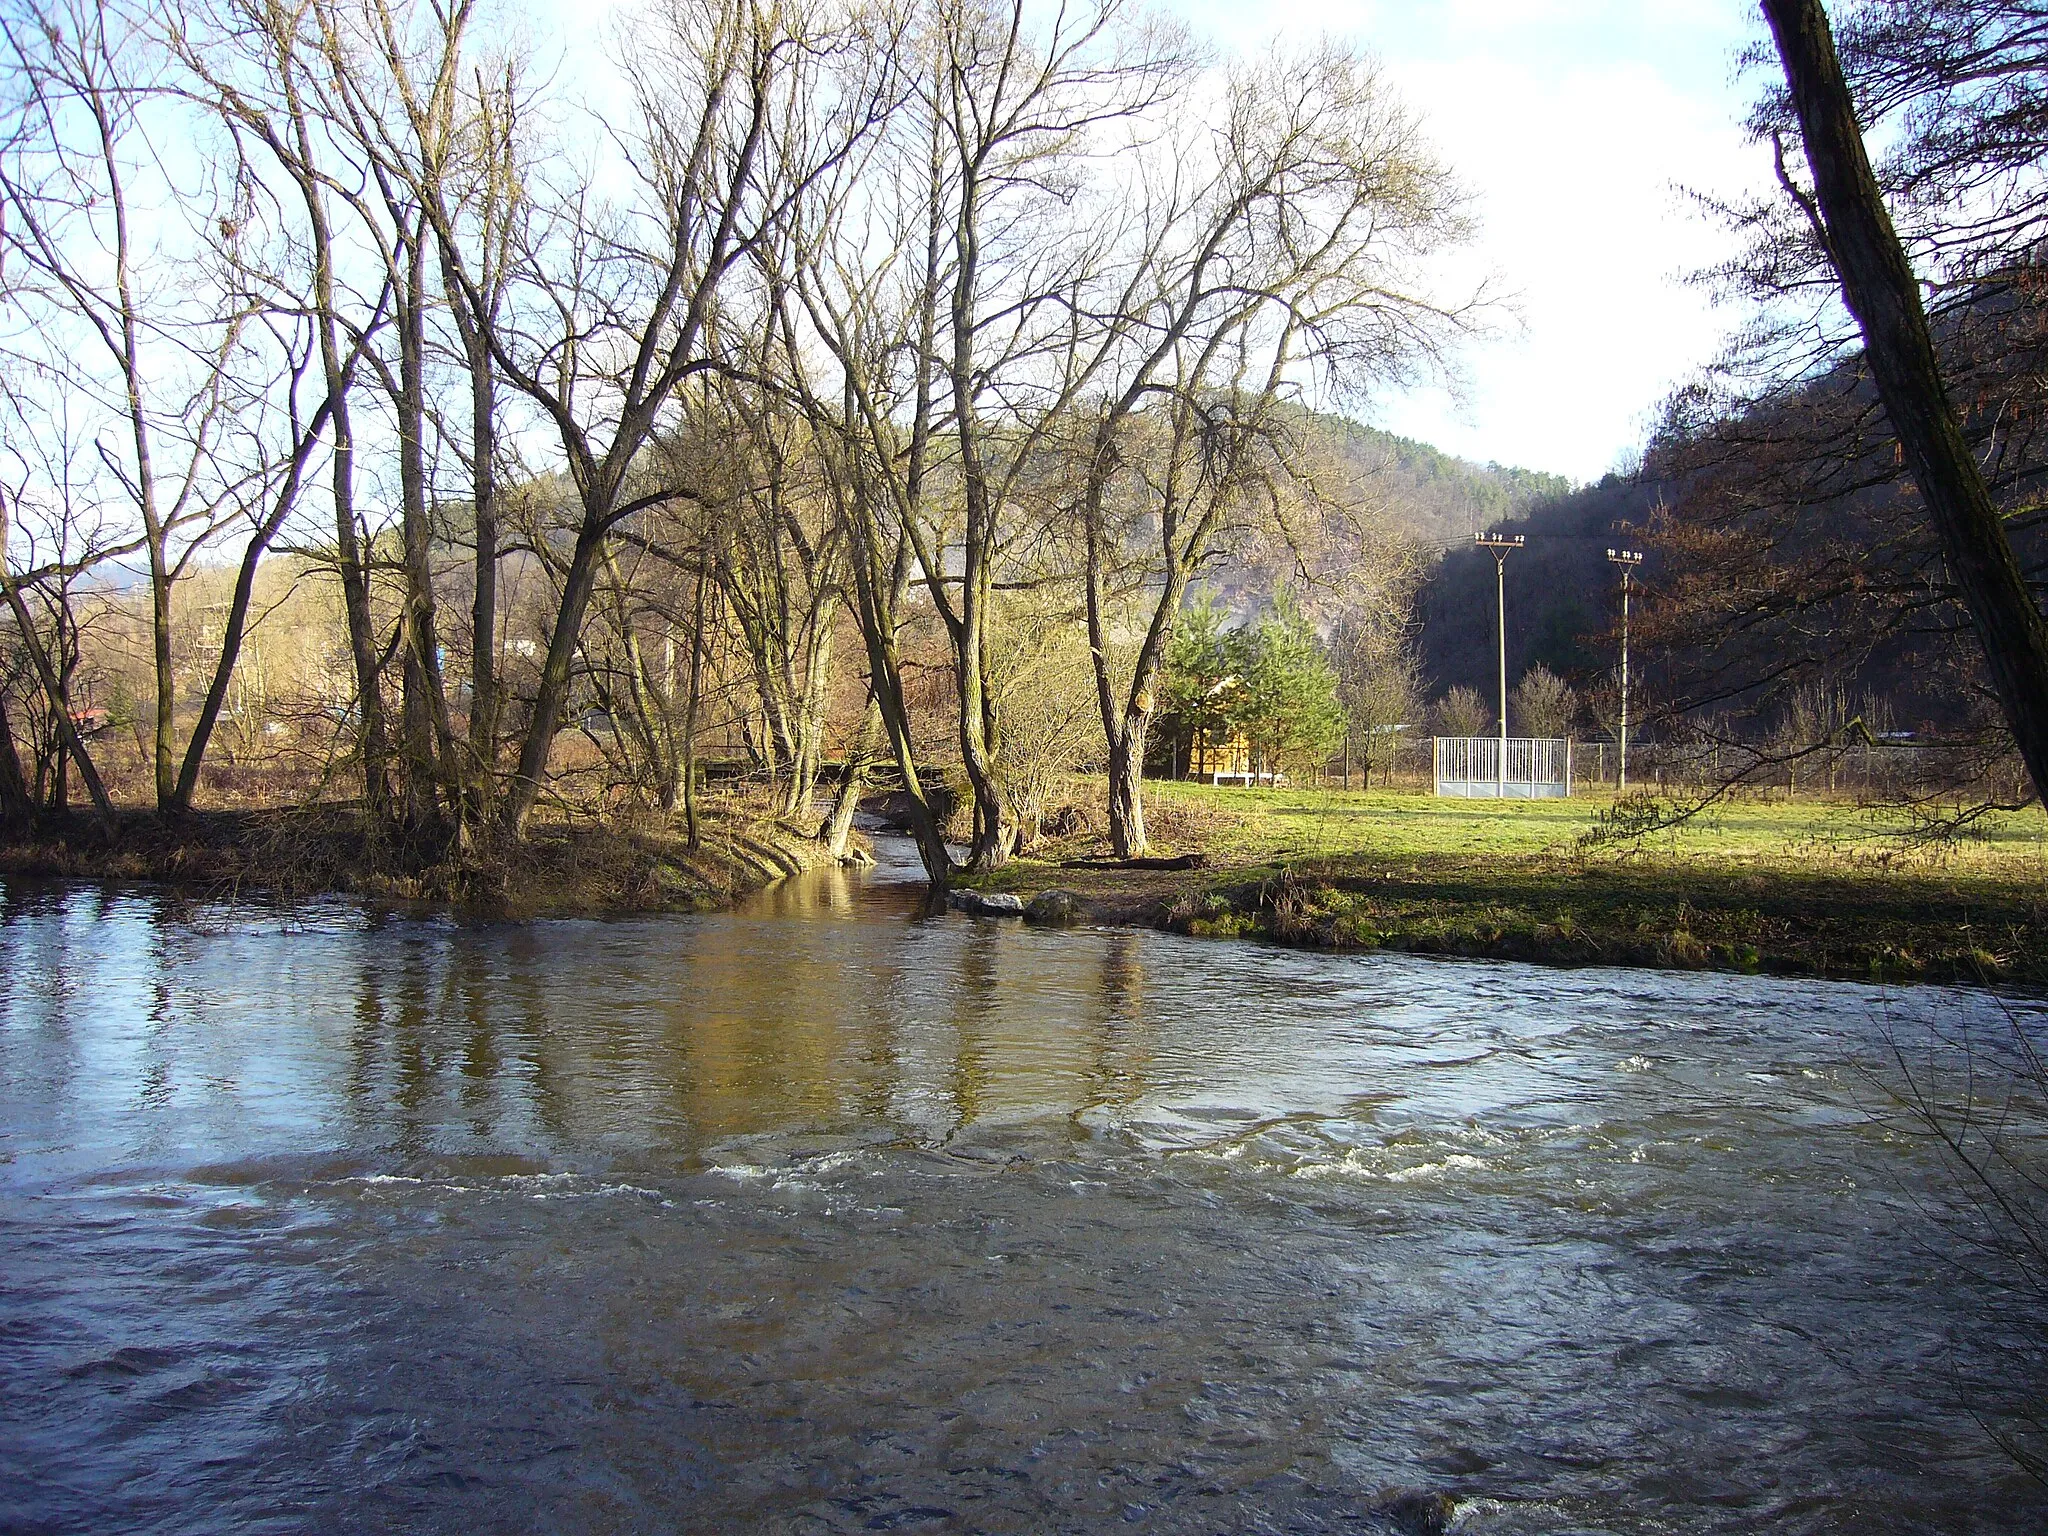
827, 1214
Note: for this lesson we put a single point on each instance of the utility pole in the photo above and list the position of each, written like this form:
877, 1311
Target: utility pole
1628, 560
1500, 546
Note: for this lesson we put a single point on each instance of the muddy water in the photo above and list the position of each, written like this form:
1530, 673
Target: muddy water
828, 1216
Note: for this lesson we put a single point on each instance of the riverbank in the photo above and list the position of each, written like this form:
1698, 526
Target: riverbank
1799, 888
561, 869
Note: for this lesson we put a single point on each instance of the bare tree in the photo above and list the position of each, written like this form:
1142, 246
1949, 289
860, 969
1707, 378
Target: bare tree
779, 560
1379, 683
437, 130
1012, 108
633, 602
51, 651
280, 493
1041, 676
956, 353
1293, 242
854, 284
1543, 704
606, 312
265, 68
1881, 290
1462, 712
171, 359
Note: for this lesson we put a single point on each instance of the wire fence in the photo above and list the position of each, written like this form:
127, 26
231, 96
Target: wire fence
1880, 771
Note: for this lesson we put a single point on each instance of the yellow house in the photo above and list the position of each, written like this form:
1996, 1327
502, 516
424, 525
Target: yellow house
1230, 759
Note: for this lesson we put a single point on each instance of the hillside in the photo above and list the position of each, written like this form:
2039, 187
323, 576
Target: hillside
1558, 588
1441, 499
1562, 595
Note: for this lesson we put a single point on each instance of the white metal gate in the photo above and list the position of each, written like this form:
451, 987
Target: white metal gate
1471, 767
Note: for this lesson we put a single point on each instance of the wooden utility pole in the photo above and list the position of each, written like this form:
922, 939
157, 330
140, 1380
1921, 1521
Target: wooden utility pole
1878, 285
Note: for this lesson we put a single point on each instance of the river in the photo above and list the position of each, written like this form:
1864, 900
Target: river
824, 1215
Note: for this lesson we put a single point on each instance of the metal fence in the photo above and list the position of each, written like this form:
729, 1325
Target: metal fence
1877, 772
1471, 767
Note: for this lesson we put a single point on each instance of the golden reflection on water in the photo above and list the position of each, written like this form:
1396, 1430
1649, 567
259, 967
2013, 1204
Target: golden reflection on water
830, 1005
825, 1004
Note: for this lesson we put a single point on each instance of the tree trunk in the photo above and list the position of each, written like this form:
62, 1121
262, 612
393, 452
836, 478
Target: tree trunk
878, 603
651, 704
66, 664
838, 826
483, 637
924, 824
553, 695
809, 709
993, 840
238, 606
53, 690
1127, 788
156, 535
429, 748
1881, 291
1126, 720
351, 557
993, 836
180, 800
695, 703
878, 590
16, 809
165, 753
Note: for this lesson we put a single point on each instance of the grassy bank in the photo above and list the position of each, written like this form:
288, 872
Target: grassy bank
1800, 887
562, 868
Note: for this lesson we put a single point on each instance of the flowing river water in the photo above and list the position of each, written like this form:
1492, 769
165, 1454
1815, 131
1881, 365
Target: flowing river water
825, 1215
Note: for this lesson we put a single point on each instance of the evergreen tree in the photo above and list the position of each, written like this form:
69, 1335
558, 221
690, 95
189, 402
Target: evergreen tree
1196, 680
1287, 705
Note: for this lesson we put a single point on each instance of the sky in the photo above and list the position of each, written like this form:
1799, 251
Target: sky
1577, 125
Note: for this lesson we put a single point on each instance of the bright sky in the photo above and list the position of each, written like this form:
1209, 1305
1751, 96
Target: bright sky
1576, 124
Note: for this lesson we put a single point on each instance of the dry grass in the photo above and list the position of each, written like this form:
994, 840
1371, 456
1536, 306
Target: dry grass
566, 865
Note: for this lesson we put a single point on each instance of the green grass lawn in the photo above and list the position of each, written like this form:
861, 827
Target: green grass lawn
1267, 825
1810, 886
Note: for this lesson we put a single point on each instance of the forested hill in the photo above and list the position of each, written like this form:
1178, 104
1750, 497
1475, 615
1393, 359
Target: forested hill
1557, 587
1443, 500
1417, 493
1559, 590
1440, 501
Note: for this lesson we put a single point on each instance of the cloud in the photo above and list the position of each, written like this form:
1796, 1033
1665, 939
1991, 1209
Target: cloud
1576, 125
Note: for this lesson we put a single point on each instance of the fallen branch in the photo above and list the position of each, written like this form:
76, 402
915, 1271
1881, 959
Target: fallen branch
1179, 861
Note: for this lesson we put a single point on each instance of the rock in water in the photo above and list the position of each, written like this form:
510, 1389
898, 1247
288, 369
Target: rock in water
1415, 1511
1055, 908
982, 904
